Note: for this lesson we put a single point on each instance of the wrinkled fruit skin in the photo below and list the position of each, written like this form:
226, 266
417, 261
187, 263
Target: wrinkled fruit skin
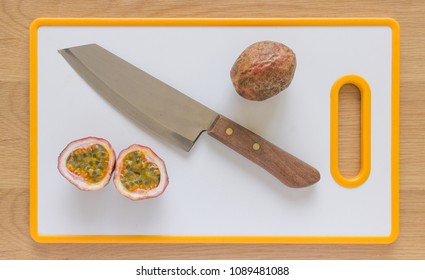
140, 173
87, 163
263, 70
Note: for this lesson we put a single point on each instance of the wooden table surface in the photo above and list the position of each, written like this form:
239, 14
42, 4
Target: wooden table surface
15, 18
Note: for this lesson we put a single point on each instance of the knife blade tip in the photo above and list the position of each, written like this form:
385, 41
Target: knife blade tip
66, 50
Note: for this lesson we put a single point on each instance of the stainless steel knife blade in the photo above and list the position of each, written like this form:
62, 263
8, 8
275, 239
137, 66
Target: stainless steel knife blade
142, 97
177, 117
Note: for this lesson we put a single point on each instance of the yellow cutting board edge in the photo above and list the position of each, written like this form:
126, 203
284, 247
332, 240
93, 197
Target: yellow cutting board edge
214, 22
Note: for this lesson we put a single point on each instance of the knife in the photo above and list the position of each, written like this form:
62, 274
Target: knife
177, 117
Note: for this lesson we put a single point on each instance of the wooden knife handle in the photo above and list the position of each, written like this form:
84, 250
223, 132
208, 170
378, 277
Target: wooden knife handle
290, 170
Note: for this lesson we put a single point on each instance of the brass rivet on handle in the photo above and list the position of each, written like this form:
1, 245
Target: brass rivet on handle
256, 146
229, 131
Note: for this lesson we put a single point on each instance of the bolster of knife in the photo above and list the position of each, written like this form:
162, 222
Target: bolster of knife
289, 169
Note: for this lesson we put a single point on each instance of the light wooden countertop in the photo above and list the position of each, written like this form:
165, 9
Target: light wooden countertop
15, 18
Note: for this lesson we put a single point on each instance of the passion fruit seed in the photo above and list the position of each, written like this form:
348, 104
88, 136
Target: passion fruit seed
89, 163
138, 173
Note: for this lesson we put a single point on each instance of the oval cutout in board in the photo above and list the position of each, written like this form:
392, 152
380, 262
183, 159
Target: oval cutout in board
349, 130
365, 135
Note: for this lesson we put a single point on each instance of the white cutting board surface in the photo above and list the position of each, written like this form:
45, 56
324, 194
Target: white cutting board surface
213, 191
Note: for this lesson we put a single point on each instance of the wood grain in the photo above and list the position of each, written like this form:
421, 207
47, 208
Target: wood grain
15, 17
349, 152
290, 170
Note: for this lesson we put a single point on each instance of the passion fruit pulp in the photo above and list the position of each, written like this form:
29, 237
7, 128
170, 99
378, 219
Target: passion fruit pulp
87, 163
140, 173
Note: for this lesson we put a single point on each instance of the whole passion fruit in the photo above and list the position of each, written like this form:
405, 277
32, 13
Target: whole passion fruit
140, 173
263, 70
87, 163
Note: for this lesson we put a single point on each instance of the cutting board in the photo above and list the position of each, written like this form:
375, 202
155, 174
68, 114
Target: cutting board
214, 194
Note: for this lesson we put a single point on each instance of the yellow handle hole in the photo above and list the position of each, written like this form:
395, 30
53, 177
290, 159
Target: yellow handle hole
349, 84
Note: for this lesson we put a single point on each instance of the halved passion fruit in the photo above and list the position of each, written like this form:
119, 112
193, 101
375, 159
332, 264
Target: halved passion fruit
140, 173
87, 163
